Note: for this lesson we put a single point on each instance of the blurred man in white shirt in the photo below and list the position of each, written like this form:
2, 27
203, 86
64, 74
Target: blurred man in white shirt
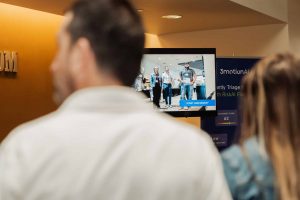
104, 141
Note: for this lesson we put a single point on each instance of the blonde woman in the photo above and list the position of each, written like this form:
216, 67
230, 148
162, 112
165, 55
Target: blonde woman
266, 164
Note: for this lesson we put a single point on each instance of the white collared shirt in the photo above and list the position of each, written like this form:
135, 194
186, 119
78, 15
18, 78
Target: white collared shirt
200, 81
166, 78
107, 143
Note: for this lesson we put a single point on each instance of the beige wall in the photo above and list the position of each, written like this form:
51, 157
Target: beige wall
273, 8
294, 25
29, 94
152, 41
245, 41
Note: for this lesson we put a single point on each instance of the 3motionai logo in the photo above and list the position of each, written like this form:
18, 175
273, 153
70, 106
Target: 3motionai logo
8, 62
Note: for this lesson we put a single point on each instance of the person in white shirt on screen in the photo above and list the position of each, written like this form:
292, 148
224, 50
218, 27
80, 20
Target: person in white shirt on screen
104, 141
167, 80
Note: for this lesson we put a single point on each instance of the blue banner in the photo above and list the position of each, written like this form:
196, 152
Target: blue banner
224, 128
197, 103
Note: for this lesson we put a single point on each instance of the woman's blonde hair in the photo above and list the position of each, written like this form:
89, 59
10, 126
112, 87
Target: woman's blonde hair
271, 111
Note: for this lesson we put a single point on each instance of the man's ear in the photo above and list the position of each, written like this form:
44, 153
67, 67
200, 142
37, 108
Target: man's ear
82, 61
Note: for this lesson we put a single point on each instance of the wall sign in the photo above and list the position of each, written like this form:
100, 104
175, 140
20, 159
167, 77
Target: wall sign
8, 61
225, 127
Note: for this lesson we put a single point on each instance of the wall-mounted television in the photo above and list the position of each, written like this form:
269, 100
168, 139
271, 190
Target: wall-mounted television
179, 81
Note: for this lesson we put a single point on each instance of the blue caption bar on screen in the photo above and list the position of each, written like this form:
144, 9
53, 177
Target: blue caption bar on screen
197, 103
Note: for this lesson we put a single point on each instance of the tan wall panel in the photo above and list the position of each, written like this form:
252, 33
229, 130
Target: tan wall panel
28, 94
243, 41
273, 8
294, 28
152, 41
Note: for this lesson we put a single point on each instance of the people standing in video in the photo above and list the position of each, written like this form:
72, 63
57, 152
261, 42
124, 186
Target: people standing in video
187, 79
167, 80
156, 85
139, 83
201, 86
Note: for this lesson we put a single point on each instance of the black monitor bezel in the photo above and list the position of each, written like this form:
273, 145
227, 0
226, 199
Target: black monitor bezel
187, 51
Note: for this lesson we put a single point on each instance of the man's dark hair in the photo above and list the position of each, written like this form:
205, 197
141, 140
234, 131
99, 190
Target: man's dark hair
115, 32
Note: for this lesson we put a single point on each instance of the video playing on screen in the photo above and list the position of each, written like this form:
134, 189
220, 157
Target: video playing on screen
178, 82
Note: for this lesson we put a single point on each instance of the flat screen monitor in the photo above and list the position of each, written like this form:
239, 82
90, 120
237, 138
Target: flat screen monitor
179, 81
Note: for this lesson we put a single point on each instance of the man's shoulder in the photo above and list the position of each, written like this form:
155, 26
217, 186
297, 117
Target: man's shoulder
30, 130
175, 138
179, 132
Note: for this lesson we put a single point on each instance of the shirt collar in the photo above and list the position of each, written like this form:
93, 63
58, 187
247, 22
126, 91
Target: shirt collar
108, 98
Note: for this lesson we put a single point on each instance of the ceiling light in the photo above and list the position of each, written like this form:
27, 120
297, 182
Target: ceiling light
171, 17
140, 10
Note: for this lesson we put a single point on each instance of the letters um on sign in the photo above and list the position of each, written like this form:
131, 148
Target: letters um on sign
8, 61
